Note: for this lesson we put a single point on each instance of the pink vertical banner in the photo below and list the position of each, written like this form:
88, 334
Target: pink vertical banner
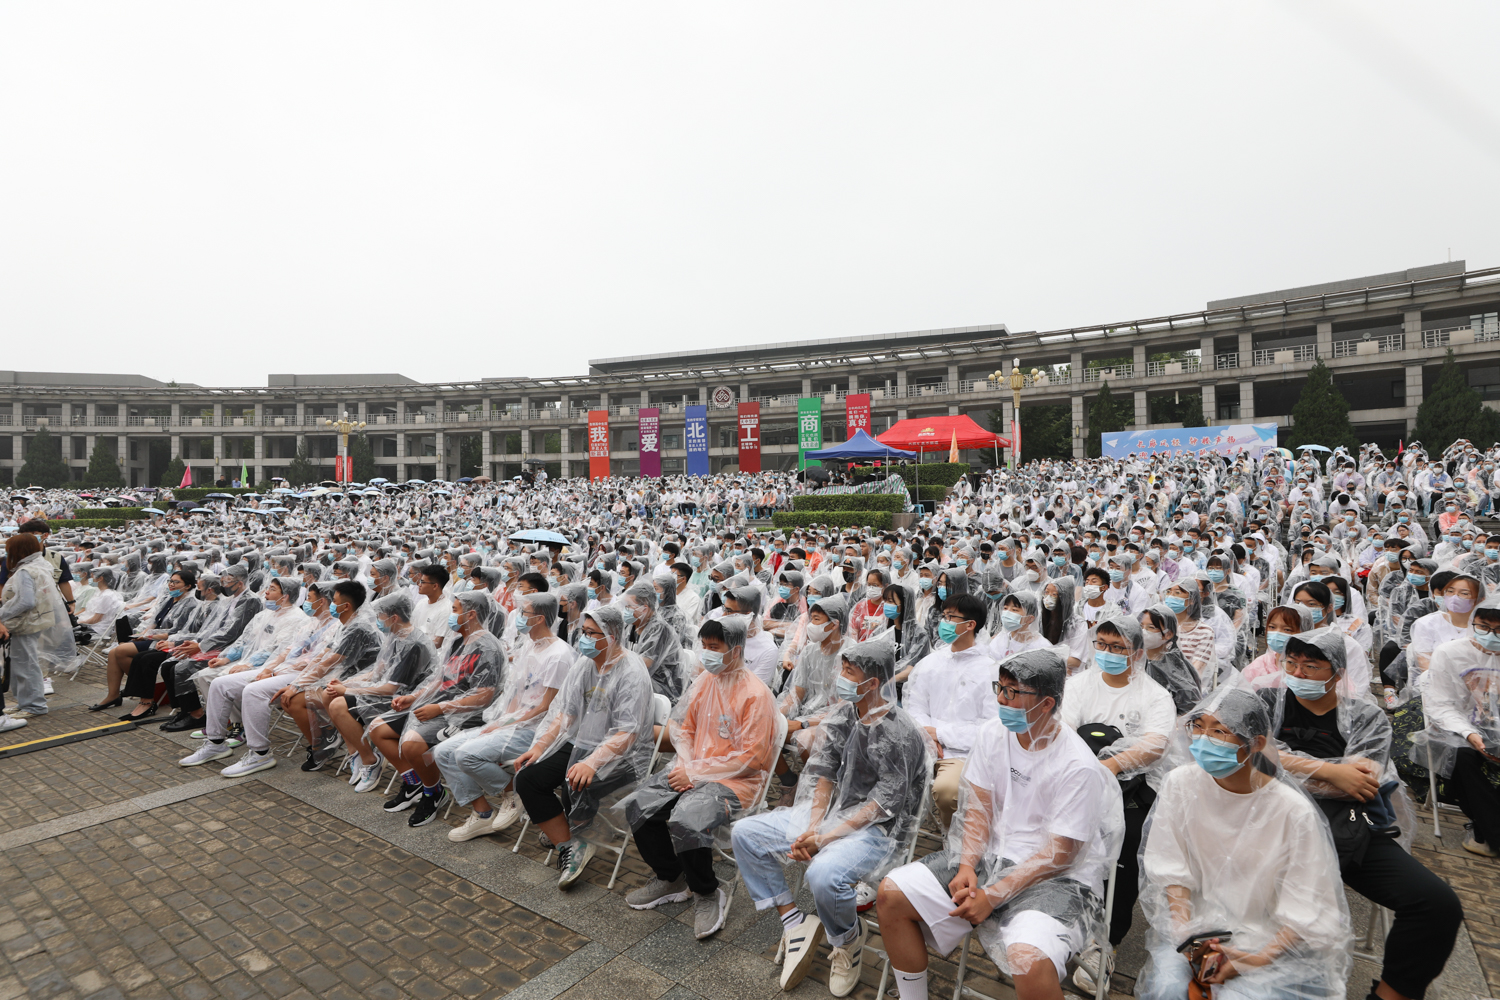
650, 433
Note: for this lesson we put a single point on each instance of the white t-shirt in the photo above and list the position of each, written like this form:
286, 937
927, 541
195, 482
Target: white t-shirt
431, 617
1005, 644
953, 694
546, 664
1140, 707
762, 656
108, 603
1059, 791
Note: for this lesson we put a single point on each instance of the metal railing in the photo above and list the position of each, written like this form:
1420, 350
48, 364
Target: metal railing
1184, 367
1466, 334
929, 389
1097, 374
1374, 345
1286, 355
1230, 360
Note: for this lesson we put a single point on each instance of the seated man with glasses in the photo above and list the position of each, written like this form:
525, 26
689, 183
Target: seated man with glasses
1039, 821
945, 695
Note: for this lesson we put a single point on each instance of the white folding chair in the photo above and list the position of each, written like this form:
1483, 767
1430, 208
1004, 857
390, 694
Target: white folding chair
291, 736
759, 805
1376, 929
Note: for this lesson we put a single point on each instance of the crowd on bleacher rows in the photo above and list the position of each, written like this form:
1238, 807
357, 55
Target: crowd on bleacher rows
1214, 688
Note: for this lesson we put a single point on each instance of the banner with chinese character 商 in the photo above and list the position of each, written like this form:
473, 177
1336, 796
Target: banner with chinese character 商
749, 437
696, 434
857, 413
1231, 439
649, 427
598, 444
809, 429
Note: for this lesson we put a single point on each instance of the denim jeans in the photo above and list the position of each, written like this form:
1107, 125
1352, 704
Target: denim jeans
1168, 975
470, 762
760, 846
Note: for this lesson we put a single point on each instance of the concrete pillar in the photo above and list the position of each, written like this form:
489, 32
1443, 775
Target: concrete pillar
901, 385
1246, 349
1080, 420
1138, 359
176, 414
1411, 325
1210, 402
526, 442
952, 409
401, 475
257, 467
218, 455
1075, 367
853, 382
807, 387
1206, 353
441, 441
1142, 411
484, 448
953, 378
1007, 414
1247, 401
177, 446
1325, 339
1413, 394
744, 392
122, 454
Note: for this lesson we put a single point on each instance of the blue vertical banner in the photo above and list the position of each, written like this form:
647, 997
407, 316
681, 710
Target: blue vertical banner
697, 440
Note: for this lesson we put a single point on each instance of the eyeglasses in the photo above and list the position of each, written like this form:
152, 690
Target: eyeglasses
1217, 731
1010, 693
1299, 665
1105, 647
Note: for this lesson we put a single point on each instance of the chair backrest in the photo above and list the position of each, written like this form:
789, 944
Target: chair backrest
663, 708
779, 737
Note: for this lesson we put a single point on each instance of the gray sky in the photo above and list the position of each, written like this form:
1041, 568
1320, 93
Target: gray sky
211, 191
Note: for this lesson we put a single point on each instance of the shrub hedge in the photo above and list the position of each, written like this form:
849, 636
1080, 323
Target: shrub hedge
85, 523
199, 492
110, 513
929, 493
892, 502
875, 520
935, 473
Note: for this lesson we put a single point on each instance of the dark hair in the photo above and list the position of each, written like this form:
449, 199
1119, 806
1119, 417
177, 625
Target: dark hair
188, 577
538, 581
969, 606
711, 629
1285, 613
1316, 590
19, 546
351, 590
1101, 574
436, 573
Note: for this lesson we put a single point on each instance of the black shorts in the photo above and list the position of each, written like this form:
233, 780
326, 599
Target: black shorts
365, 715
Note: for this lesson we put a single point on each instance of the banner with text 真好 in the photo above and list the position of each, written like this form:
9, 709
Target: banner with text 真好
857, 414
649, 429
598, 444
696, 433
1231, 439
749, 437
809, 429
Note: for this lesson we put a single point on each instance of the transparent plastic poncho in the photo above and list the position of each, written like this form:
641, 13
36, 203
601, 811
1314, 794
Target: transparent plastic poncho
654, 640
406, 657
1460, 700
810, 687
466, 682
1143, 710
1260, 866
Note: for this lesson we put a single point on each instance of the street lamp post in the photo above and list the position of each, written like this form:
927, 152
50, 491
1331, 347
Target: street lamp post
1017, 383
344, 425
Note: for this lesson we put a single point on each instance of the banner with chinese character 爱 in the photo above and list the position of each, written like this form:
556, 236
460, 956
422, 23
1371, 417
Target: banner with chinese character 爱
696, 435
598, 444
857, 413
1231, 439
649, 428
809, 429
749, 437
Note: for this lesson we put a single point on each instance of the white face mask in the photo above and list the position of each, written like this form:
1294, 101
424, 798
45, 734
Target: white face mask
1033, 576
817, 633
872, 593
1049, 602
1091, 591
1154, 640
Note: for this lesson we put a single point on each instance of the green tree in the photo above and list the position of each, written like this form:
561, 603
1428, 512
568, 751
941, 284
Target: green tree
1046, 432
1453, 411
104, 466
44, 462
470, 455
301, 471
1186, 409
1106, 416
362, 456
1321, 415
172, 478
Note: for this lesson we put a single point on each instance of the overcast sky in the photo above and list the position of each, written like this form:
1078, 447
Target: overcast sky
209, 192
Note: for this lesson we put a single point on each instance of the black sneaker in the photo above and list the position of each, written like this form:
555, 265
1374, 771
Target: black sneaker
329, 739
181, 724
428, 807
406, 796
317, 758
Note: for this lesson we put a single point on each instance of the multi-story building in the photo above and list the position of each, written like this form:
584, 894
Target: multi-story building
1384, 337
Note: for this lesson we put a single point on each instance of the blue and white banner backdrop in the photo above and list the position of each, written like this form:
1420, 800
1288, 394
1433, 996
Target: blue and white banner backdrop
1233, 439
697, 440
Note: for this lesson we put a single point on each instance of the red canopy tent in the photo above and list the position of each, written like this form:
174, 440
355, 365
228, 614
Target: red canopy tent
936, 434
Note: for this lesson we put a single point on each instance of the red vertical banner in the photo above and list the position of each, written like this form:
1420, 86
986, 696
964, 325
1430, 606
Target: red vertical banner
598, 444
338, 468
857, 413
749, 437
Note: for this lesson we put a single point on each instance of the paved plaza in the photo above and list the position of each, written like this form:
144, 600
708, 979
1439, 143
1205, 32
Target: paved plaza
125, 875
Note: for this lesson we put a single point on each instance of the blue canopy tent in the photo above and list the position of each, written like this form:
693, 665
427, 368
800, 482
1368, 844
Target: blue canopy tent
860, 446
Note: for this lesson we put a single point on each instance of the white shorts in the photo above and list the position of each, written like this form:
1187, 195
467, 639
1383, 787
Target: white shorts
933, 903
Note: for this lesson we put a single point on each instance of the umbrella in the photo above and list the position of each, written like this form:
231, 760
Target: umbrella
153, 510
1286, 452
1314, 447
37, 488
416, 482
200, 510
282, 489
482, 479
534, 461
466, 479
540, 535
446, 493
330, 482
219, 496
379, 479
87, 495
277, 479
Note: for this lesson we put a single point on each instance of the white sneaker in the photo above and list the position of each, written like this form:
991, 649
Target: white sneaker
506, 813
47, 685
249, 764
23, 714
1090, 961
7, 723
864, 896
800, 943
207, 752
475, 826
844, 963
369, 777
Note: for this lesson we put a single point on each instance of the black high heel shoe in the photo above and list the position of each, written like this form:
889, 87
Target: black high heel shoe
134, 716
119, 700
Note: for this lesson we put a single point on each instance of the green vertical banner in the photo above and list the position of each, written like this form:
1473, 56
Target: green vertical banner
809, 429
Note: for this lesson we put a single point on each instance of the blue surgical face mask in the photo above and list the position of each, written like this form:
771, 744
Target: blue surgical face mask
925, 583
1010, 620
1216, 576
628, 614
942, 593
1111, 663
847, 689
1219, 759
1177, 604
1492, 553
947, 631
1306, 688
271, 605
1059, 560
452, 622
1402, 518
712, 661
693, 561
961, 563
1489, 640
892, 610
307, 608
1338, 601
588, 647
174, 594
1317, 614
1393, 557
382, 625
785, 592
1013, 719
1116, 575
593, 594
1276, 641
1416, 580
1468, 543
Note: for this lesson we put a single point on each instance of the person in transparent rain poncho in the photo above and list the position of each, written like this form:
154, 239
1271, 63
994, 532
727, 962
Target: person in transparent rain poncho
1461, 741
1038, 824
452, 699
406, 657
355, 648
858, 804
1339, 746
1239, 877
477, 764
1195, 635
1062, 623
1283, 622
1018, 628
650, 637
1165, 663
724, 733
1127, 719
1318, 600
35, 619
595, 741
812, 684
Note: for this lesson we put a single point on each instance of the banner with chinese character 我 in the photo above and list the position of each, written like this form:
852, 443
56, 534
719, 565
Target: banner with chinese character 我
598, 444
857, 413
749, 437
649, 427
1231, 439
696, 434
809, 429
